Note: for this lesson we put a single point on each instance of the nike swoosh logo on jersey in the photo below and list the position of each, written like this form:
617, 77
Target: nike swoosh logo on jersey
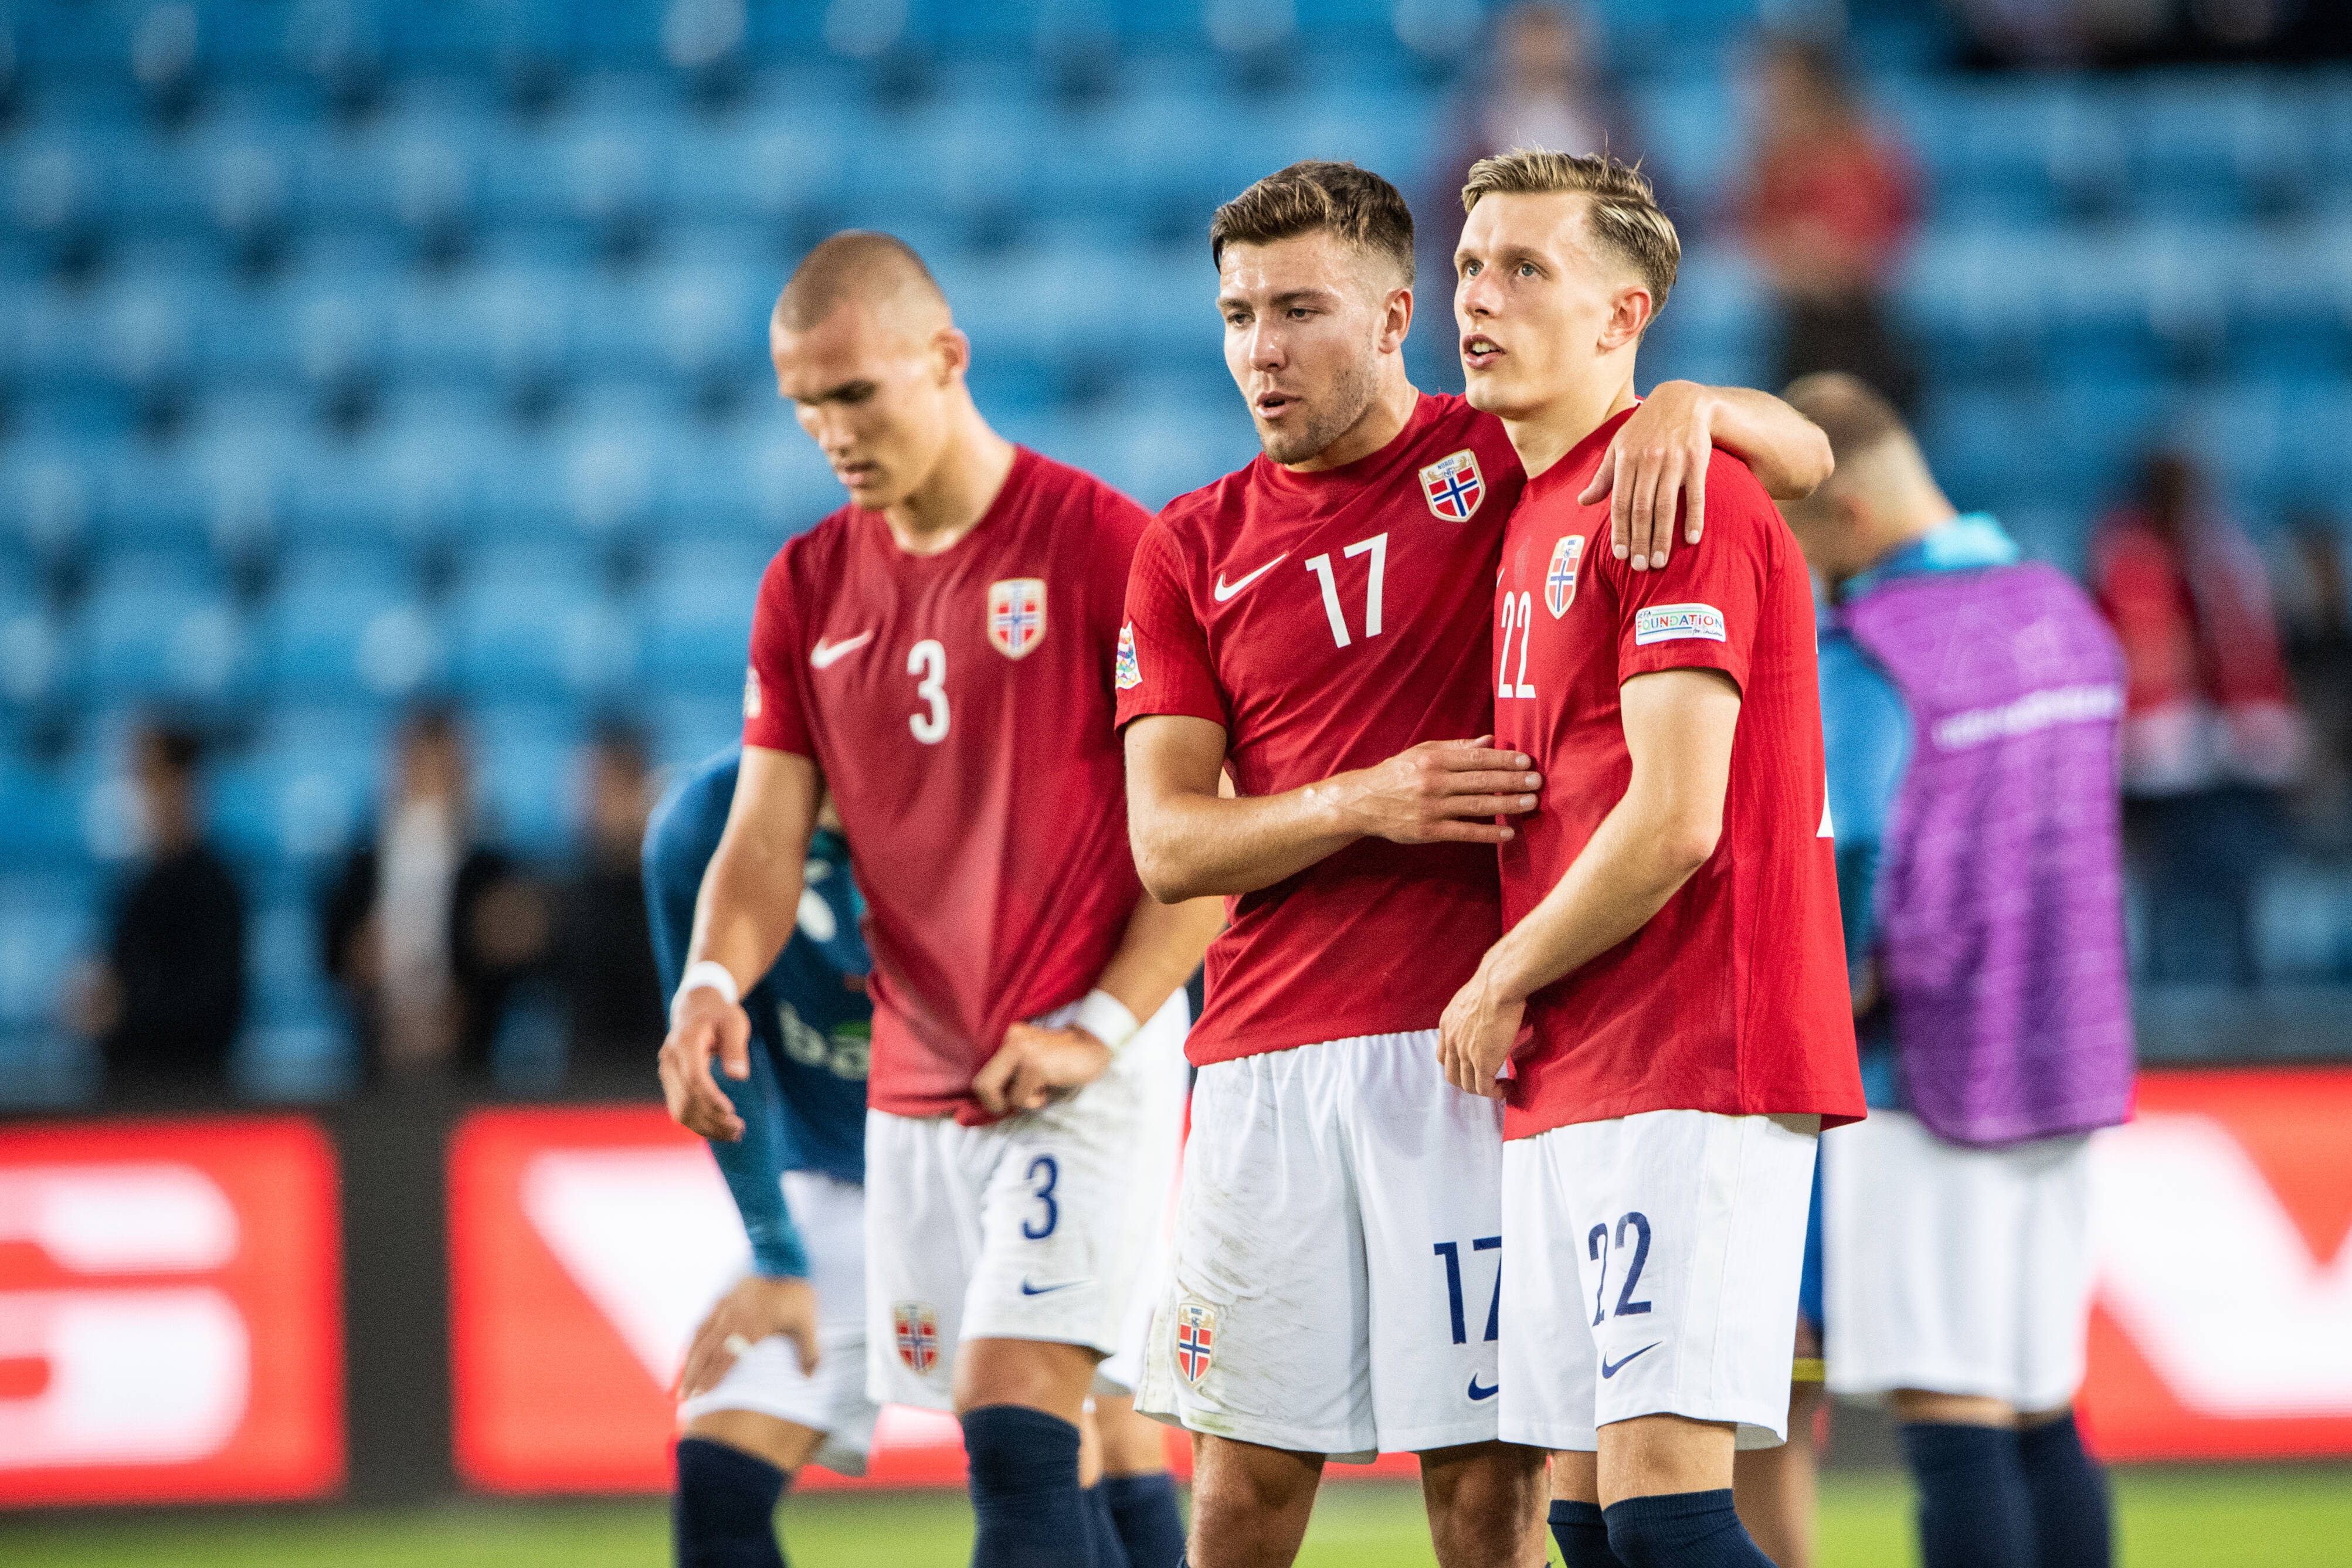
1029, 1289
823, 657
1487, 1393
1225, 592
1611, 1369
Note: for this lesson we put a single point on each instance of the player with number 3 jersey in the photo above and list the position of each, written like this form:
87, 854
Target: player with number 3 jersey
936, 656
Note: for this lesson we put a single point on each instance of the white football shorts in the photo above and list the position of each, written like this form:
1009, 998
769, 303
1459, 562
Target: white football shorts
1650, 1266
1953, 1270
1333, 1287
1034, 1228
831, 1216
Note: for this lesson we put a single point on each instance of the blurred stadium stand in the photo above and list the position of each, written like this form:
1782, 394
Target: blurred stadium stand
354, 350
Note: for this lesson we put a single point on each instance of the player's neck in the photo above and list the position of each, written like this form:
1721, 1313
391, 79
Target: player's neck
1391, 412
958, 491
1549, 431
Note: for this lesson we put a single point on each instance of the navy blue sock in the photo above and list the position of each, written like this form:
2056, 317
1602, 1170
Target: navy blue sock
2072, 1522
1025, 1500
1110, 1550
1582, 1531
1143, 1507
1682, 1530
1974, 1509
724, 1513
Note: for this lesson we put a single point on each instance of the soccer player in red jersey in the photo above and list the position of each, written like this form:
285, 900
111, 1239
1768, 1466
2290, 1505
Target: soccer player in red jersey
1314, 629
936, 656
1671, 989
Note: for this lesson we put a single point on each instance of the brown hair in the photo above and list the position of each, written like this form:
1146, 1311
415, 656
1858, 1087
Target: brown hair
1348, 202
1851, 413
1624, 214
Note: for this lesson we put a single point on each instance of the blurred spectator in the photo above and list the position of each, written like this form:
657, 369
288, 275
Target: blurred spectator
2210, 733
166, 1001
2319, 665
1545, 88
426, 929
603, 951
1828, 203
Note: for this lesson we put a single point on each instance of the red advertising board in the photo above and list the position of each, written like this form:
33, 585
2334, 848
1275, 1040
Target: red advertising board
169, 1312
2223, 1324
585, 1244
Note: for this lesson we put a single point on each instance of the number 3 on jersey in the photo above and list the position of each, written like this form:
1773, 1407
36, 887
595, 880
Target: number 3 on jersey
927, 662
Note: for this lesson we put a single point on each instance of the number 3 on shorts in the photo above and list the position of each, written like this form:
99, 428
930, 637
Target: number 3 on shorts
1052, 1171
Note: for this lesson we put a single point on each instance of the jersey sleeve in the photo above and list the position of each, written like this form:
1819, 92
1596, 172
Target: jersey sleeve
680, 839
1162, 660
773, 716
1701, 610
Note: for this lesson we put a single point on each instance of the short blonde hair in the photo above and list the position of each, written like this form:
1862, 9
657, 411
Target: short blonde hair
1623, 214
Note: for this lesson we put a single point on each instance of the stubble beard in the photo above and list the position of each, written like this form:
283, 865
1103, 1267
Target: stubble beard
1351, 397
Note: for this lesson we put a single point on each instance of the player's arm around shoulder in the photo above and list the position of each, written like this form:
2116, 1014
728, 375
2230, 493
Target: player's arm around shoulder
747, 909
1661, 462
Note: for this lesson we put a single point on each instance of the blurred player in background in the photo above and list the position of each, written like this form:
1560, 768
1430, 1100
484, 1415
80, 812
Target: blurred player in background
1671, 960
1314, 627
1972, 702
775, 1378
938, 655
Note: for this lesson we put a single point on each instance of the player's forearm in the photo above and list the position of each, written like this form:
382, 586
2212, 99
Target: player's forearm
1162, 946
1191, 845
751, 901
1786, 452
1637, 859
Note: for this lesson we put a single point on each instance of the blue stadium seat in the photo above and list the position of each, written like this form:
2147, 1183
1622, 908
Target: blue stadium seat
694, 613
40, 818
153, 632
352, 641
534, 622
526, 757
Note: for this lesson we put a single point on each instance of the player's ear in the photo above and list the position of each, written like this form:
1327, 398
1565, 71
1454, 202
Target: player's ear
1396, 318
953, 351
1629, 313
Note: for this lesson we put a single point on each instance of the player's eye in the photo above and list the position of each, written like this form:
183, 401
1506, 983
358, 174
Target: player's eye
1526, 268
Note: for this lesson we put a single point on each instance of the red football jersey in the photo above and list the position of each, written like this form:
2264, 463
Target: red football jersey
959, 707
1733, 997
1329, 621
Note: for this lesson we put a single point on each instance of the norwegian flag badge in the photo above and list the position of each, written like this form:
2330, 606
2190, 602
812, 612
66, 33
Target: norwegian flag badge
1560, 582
1196, 1339
1454, 487
917, 1325
1016, 615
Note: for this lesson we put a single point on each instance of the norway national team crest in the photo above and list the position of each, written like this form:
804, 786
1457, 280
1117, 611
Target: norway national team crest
918, 1328
1196, 1339
1560, 582
1454, 487
1016, 615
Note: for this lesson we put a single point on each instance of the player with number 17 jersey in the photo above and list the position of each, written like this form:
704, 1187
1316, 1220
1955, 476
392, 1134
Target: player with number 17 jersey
1329, 621
959, 707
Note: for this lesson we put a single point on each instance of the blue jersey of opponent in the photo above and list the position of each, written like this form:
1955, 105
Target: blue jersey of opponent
804, 1107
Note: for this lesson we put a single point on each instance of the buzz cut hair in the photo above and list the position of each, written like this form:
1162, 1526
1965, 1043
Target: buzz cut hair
1623, 214
1854, 415
1318, 196
857, 263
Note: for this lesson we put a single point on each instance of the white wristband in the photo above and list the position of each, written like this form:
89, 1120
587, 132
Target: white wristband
705, 974
1105, 1017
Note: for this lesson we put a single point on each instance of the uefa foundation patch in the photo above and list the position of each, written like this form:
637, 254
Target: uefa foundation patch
1677, 623
1129, 672
1196, 1339
917, 1326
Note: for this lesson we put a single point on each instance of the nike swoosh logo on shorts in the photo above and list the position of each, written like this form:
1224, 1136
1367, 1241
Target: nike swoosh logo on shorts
1487, 1393
1029, 1289
1225, 592
823, 657
1611, 1369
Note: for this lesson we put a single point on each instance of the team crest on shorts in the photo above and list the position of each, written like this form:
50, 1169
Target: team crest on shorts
1559, 583
1128, 674
1196, 1339
1454, 487
1016, 615
917, 1326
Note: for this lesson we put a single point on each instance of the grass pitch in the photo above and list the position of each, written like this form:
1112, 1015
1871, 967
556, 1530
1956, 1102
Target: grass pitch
2240, 1517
